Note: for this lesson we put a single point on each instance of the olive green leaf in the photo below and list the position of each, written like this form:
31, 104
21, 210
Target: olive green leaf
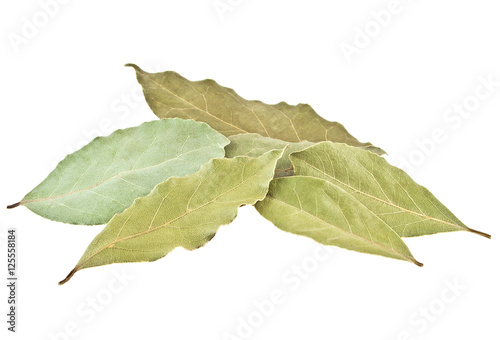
181, 212
408, 208
326, 213
171, 95
104, 177
254, 145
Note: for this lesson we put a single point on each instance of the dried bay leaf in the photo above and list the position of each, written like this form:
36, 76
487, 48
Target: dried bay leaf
104, 177
408, 208
171, 95
254, 145
181, 212
318, 209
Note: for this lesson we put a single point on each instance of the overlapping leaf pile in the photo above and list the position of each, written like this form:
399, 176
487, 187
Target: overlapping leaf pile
173, 182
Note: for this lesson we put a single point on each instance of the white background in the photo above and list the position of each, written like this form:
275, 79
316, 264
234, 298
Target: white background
66, 83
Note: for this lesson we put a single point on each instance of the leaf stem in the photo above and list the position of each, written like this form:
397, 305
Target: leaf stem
12, 206
70, 275
479, 233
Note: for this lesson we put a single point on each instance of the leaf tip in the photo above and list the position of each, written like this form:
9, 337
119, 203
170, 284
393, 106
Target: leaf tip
135, 67
12, 206
70, 275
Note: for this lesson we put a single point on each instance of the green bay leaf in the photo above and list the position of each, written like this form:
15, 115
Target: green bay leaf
104, 177
171, 95
408, 208
326, 213
181, 212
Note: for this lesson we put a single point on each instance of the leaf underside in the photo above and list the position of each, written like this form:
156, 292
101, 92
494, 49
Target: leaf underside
171, 95
317, 209
181, 212
408, 208
103, 178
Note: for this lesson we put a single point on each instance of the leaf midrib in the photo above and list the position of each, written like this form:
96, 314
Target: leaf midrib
118, 175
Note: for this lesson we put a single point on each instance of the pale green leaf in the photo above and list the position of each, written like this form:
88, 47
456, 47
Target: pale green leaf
326, 213
408, 208
171, 95
104, 177
181, 212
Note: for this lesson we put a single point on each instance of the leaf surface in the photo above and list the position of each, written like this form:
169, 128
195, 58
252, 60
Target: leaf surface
181, 212
104, 177
317, 209
408, 208
254, 145
171, 95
